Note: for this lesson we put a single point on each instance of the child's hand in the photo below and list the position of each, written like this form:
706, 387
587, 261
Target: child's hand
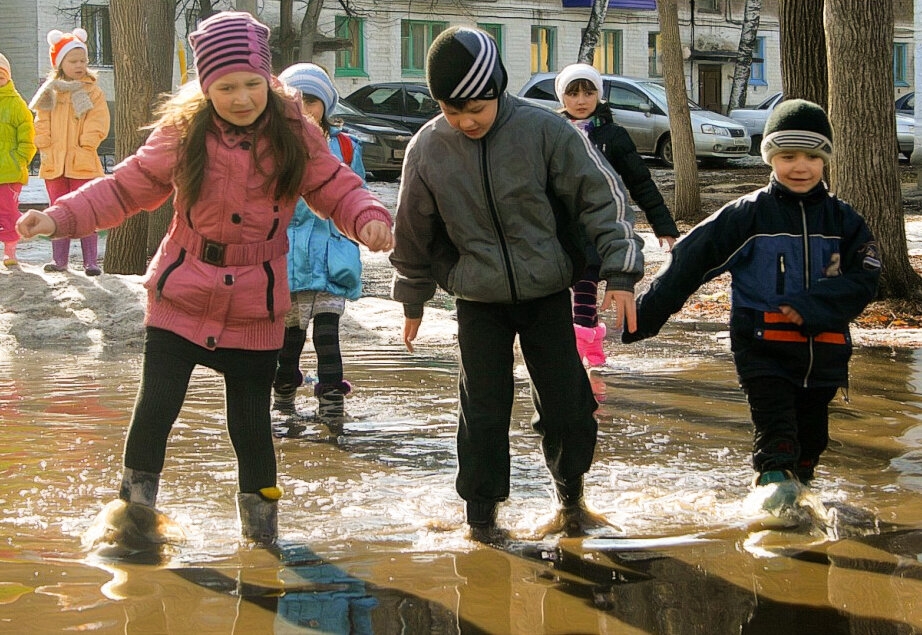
377, 236
410, 330
666, 242
791, 314
35, 223
625, 307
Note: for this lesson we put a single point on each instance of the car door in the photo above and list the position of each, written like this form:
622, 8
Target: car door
420, 107
637, 114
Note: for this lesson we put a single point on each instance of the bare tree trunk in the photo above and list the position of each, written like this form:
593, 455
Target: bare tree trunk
687, 204
803, 50
142, 72
286, 33
246, 5
309, 30
205, 10
748, 33
864, 171
593, 29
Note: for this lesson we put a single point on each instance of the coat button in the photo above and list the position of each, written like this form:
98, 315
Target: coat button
245, 145
211, 342
228, 279
235, 218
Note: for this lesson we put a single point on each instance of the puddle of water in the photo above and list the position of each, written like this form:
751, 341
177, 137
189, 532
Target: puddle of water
372, 532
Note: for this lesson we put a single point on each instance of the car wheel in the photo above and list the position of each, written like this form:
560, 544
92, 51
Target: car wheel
755, 149
908, 155
665, 151
386, 175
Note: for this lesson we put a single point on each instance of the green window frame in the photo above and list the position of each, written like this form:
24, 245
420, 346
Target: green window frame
350, 62
607, 55
899, 64
496, 31
543, 49
654, 54
94, 18
415, 38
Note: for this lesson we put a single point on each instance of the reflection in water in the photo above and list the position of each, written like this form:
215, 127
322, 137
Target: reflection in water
372, 531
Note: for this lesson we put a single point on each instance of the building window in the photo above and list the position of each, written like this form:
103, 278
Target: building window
415, 38
350, 61
757, 70
543, 47
94, 19
607, 55
709, 6
496, 31
654, 55
899, 64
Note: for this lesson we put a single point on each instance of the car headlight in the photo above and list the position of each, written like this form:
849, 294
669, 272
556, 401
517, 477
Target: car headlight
364, 137
708, 128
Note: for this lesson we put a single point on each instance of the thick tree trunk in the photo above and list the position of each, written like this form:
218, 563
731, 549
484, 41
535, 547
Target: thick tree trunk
142, 73
593, 30
748, 33
286, 33
864, 167
803, 50
687, 204
309, 33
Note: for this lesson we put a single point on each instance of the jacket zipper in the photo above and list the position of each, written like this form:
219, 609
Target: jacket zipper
166, 274
779, 282
803, 216
496, 224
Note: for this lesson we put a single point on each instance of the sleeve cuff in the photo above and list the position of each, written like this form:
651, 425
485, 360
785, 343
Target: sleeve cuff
413, 311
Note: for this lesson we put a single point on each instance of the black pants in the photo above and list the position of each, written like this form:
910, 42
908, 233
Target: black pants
791, 424
561, 394
168, 363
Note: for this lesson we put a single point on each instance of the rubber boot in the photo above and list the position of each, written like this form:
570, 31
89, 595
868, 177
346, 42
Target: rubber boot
139, 486
90, 246
60, 251
481, 518
331, 410
258, 512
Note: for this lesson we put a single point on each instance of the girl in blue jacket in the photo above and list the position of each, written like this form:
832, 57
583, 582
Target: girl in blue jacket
324, 268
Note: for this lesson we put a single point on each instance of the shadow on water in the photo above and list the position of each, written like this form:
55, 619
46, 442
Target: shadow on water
372, 530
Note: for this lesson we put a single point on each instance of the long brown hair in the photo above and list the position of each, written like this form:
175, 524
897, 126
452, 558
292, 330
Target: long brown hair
193, 115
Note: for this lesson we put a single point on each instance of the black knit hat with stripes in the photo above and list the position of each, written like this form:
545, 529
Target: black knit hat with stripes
797, 124
464, 63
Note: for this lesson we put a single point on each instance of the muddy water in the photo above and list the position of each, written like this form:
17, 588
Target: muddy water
372, 536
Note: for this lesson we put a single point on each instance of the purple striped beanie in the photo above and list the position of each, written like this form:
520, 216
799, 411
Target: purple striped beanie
228, 42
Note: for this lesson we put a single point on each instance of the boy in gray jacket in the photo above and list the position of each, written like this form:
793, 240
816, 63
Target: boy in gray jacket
489, 200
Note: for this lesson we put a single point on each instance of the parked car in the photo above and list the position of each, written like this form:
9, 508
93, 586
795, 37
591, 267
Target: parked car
754, 119
404, 103
906, 105
383, 142
640, 106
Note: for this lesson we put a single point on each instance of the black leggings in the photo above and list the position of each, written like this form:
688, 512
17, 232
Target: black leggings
168, 363
326, 345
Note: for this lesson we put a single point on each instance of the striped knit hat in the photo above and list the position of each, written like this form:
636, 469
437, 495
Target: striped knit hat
312, 80
464, 63
228, 42
797, 124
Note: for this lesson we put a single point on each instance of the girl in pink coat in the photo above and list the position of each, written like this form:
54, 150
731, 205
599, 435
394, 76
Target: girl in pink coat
238, 154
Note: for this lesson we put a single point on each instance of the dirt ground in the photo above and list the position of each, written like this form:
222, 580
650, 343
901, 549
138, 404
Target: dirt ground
721, 184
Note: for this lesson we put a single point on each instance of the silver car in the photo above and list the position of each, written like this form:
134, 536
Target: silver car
754, 119
640, 106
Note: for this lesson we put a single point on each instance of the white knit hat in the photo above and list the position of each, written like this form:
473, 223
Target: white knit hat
5, 66
574, 72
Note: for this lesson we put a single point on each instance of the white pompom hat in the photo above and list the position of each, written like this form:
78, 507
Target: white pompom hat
574, 72
63, 43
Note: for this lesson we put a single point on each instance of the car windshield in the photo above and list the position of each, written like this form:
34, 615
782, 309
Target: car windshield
657, 93
768, 103
343, 108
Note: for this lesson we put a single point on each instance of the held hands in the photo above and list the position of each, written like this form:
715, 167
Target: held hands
666, 242
410, 330
35, 223
791, 313
377, 236
623, 301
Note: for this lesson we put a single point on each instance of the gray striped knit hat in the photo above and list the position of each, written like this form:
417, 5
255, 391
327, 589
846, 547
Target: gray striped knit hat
228, 42
464, 63
797, 124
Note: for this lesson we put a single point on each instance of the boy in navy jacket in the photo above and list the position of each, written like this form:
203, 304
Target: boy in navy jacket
804, 264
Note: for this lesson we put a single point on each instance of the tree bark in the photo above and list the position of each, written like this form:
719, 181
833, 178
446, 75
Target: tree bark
309, 33
142, 72
864, 167
593, 29
803, 50
741, 71
286, 33
687, 204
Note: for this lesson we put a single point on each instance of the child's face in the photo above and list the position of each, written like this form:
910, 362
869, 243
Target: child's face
74, 64
797, 170
475, 119
312, 107
581, 103
239, 97
4, 80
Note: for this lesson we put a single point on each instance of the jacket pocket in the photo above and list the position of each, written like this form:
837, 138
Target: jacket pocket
344, 265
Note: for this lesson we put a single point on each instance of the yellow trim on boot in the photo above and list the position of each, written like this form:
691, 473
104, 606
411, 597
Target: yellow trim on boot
271, 493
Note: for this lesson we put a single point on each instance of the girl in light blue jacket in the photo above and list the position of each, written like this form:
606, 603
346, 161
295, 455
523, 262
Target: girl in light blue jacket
324, 268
